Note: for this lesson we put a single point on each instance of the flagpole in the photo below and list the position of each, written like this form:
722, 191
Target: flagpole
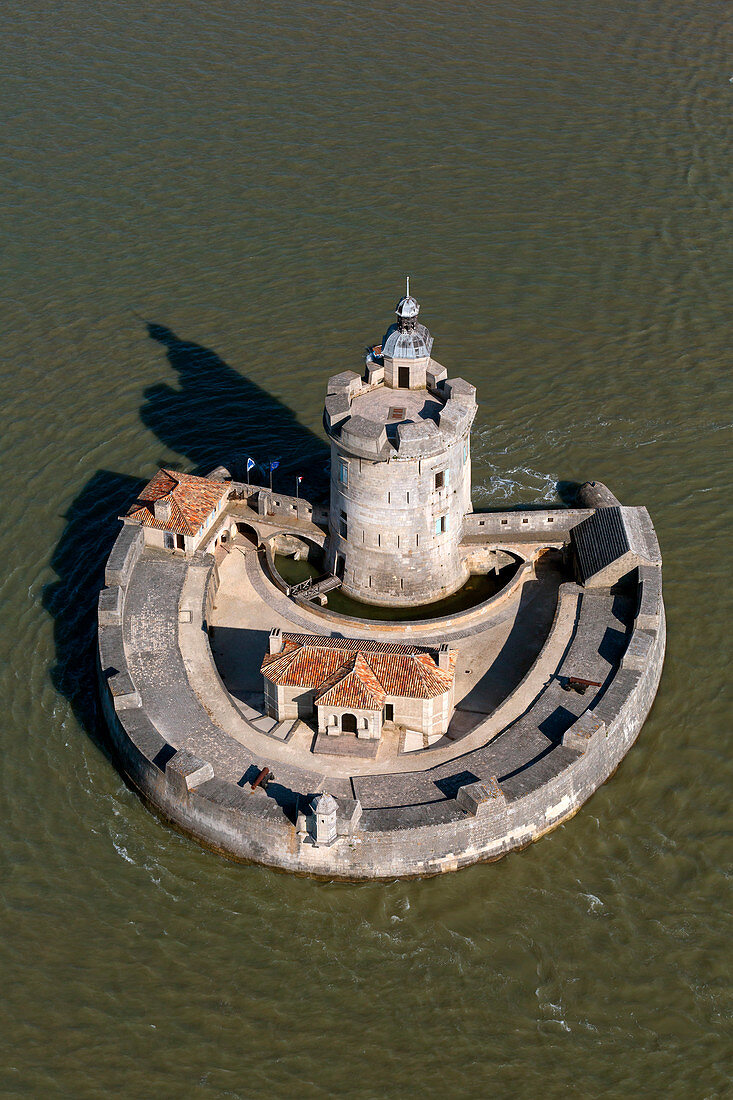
270, 477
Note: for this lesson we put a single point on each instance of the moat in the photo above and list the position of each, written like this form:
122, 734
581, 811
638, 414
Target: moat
474, 591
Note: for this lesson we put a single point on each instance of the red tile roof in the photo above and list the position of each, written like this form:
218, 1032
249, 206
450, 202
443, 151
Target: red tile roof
346, 669
192, 500
353, 685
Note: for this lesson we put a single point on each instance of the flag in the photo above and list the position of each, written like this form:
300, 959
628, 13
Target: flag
250, 464
299, 478
274, 464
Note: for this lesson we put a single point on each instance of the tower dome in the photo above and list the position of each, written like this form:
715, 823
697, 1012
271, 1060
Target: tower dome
407, 308
413, 343
407, 338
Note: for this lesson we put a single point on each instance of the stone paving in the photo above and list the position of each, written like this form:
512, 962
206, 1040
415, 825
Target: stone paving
538, 749
511, 709
494, 655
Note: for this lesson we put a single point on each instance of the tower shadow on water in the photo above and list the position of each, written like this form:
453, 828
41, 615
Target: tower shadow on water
217, 415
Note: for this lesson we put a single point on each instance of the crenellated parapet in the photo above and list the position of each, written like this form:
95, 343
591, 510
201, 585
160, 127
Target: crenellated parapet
357, 424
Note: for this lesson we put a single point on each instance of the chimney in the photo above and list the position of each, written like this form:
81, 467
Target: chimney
162, 510
444, 655
276, 640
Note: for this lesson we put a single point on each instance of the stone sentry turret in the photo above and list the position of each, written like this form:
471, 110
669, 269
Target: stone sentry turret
400, 470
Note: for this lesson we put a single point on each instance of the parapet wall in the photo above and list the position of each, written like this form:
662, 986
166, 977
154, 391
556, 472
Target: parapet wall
535, 524
482, 821
421, 438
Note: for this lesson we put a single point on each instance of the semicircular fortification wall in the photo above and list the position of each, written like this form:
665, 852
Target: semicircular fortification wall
170, 752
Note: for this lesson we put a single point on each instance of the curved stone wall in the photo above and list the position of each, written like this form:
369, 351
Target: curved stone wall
414, 838
403, 522
400, 486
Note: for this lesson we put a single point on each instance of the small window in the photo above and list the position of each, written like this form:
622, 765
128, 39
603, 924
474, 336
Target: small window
417, 540
525, 519
344, 472
398, 542
504, 522
402, 582
389, 712
379, 540
550, 519
389, 498
441, 525
482, 523
440, 479
408, 496
168, 541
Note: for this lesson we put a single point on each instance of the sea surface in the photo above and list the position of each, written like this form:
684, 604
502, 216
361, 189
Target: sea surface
206, 210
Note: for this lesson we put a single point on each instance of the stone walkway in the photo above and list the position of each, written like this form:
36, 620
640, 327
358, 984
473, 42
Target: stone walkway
511, 712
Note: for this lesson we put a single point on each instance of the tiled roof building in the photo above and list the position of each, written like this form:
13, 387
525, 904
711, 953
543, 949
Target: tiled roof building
182, 504
411, 686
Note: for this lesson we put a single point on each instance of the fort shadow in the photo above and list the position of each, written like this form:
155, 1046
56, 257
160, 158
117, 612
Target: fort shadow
218, 416
215, 416
79, 560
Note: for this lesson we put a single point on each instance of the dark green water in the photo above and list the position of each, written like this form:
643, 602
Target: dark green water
254, 181
474, 591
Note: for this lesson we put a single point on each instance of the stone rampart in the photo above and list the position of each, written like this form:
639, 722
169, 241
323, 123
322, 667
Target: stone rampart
529, 524
492, 818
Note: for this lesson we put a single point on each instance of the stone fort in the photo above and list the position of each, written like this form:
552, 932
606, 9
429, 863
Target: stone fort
352, 744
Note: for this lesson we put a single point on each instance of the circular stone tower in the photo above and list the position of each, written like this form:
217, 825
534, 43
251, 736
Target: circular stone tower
400, 470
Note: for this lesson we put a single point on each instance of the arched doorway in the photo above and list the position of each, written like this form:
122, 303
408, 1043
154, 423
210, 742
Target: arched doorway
348, 723
247, 531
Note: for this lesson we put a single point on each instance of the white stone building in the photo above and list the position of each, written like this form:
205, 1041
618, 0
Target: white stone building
355, 686
177, 511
